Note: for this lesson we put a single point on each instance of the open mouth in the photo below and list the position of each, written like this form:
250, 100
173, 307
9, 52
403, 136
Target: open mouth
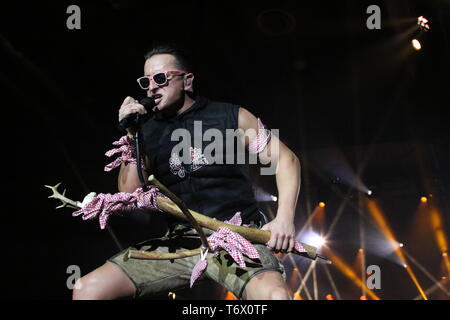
158, 98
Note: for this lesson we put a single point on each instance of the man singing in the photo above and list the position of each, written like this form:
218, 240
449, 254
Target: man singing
218, 190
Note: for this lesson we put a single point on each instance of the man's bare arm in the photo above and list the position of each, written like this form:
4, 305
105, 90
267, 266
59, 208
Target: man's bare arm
288, 183
128, 180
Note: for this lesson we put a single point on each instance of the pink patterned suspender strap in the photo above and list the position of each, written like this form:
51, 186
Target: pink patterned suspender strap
127, 147
232, 242
105, 205
261, 140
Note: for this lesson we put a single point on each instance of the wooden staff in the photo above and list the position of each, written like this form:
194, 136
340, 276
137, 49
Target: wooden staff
166, 205
181, 207
251, 234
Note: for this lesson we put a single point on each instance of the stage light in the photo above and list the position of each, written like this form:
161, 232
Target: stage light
171, 295
360, 250
444, 278
363, 298
423, 199
400, 245
329, 297
263, 196
348, 271
437, 224
312, 238
405, 266
297, 296
416, 44
380, 220
317, 241
423, 23
230, 296
322, 204
371, 193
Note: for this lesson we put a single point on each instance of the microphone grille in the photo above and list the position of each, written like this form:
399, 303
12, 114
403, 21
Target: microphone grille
147, 102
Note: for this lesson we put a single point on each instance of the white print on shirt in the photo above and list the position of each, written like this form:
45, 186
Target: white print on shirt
198, 160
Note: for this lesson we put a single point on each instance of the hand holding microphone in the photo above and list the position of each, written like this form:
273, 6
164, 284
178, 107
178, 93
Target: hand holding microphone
132, 113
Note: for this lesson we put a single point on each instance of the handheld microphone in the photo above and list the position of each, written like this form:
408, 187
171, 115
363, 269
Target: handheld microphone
134, 120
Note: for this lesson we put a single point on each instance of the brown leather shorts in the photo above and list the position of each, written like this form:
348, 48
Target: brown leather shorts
155, 277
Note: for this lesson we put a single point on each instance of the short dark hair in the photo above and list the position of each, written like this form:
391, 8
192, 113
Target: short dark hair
181, 55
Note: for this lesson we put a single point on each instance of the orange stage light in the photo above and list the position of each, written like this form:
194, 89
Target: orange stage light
416, 44
380, 220
340, 264
297, 296
438, 227
441, 239
230, 296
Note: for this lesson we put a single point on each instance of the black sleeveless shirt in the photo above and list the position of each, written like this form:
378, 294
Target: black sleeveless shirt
206, 185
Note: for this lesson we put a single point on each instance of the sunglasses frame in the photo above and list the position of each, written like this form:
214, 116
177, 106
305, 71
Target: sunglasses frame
166, 74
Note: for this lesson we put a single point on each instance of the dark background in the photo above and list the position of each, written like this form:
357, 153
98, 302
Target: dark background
339, 93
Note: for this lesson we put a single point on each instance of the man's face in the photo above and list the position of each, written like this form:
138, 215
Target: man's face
170, 96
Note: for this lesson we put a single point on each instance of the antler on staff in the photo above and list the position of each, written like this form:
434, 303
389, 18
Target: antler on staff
66, 202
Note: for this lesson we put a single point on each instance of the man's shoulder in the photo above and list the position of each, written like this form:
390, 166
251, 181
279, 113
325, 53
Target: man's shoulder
220, 105
225, 112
